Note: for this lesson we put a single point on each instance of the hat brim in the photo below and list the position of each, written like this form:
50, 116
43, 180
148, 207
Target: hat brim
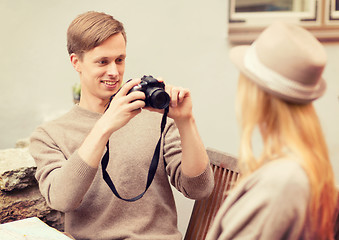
237, 55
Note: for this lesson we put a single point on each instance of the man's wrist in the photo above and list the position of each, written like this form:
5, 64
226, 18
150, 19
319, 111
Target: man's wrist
184, 123
102, 129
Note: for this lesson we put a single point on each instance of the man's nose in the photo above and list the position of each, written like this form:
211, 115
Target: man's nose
112, 70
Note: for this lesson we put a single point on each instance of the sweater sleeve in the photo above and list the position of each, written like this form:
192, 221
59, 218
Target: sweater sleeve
270, 204
62, 181
197, 187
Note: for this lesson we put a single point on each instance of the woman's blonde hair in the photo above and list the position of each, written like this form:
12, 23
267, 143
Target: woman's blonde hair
294, 127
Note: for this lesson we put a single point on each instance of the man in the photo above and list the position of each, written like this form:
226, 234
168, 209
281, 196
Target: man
68, 151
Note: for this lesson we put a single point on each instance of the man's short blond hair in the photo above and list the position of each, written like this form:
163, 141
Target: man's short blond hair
89, 30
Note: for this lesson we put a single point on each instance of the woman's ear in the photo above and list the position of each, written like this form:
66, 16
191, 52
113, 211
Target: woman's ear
75, 62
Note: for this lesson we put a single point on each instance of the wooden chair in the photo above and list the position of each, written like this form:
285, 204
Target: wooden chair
226, 173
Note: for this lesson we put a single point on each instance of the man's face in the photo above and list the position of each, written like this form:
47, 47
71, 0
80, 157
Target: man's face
101, 69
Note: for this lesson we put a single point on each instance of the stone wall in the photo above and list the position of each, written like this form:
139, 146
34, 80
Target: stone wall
19, 193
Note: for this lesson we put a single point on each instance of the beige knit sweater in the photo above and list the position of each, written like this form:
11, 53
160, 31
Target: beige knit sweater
270, 204
92, 211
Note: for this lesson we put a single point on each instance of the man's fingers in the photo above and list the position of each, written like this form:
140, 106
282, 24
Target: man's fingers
128, 85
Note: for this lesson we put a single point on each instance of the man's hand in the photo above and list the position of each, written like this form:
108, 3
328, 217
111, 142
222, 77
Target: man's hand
181, 103
180, 107
123, 107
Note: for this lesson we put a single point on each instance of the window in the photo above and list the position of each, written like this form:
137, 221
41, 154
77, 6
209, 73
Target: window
333, 14
247, 18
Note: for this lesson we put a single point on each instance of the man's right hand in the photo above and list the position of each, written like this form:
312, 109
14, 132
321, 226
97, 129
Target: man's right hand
123, 107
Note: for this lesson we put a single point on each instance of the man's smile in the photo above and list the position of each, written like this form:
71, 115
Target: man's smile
110, 83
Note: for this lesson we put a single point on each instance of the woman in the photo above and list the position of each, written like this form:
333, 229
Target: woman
287, 190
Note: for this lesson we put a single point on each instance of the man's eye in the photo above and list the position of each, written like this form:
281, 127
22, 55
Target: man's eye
102, 62
119, 60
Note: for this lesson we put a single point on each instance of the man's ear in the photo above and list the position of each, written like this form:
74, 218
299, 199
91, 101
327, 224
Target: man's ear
75, 62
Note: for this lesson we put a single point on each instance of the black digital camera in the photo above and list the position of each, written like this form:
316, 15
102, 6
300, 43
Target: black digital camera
156, 97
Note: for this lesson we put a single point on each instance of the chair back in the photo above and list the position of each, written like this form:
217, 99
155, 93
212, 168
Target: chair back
226, 173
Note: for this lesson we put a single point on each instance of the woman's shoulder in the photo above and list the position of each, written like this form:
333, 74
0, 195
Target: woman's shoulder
284, 170
270, 203
281, 177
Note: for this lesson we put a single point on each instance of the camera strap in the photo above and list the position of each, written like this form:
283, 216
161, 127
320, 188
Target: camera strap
152, 169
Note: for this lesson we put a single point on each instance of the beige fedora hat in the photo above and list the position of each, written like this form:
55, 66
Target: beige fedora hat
286, 61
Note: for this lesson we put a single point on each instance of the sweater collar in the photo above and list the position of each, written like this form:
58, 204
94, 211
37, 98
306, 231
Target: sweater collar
86, 113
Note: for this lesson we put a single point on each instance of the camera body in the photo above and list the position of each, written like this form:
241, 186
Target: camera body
156, 96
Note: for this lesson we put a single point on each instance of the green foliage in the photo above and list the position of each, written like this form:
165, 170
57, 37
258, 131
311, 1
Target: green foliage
76, 91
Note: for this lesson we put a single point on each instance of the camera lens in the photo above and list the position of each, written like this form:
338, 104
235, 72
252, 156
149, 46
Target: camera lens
159, 99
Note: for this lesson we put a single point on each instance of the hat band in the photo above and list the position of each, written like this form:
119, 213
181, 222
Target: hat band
273, 80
